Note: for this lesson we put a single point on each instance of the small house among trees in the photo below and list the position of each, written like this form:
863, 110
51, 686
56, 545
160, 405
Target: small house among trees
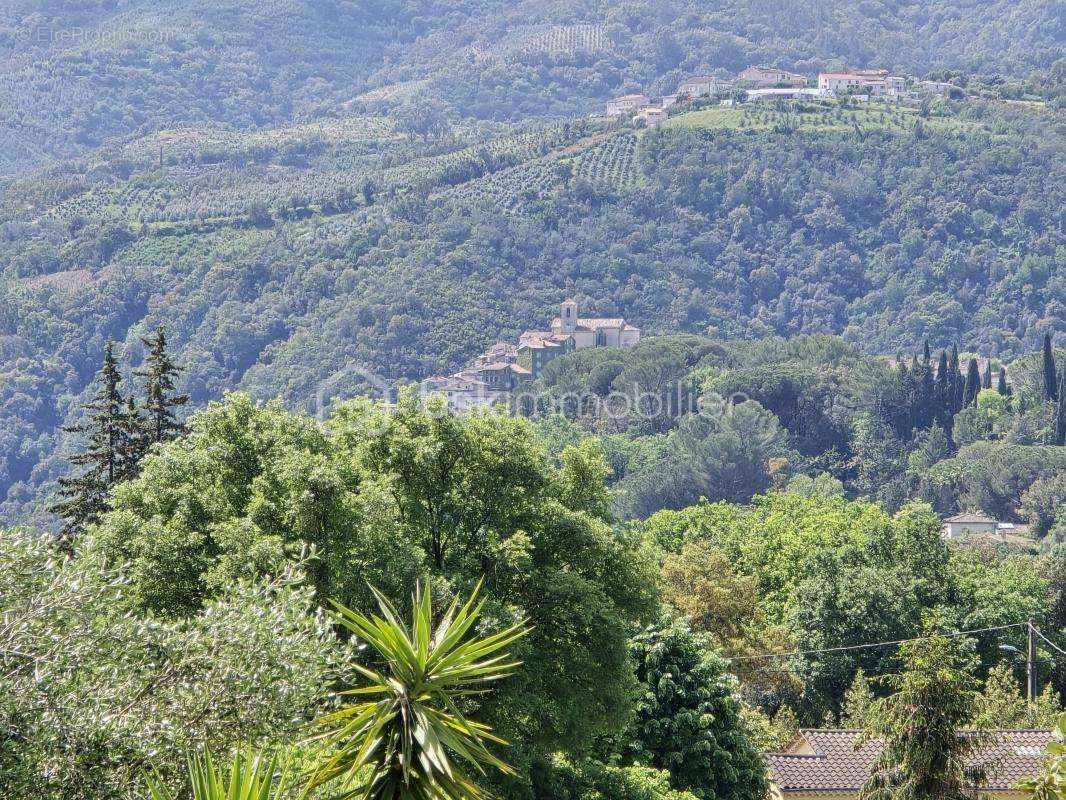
968, 524
824, 764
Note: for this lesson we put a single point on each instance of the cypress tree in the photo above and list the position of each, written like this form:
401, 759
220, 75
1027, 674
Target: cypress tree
927, 399
957, 377
83, 497
1050, 382
159, 371
986, 379
915, 395
944, 400
903, 417
973, 384
1060, 413
1001, 386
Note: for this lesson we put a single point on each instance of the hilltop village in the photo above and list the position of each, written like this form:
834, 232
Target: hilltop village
770, 83
502, 367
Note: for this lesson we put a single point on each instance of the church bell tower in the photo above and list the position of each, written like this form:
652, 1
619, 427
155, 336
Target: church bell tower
568, 315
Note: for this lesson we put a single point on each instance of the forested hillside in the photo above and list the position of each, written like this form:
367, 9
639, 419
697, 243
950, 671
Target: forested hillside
309, 194
74, 76
299, 496
280, 258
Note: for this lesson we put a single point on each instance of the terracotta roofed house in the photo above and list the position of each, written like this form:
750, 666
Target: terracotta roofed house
627, 104
770, 76
841, 81
703, 86
651, 115
936, 88
501, 351
823, 764
537, 348
463, 390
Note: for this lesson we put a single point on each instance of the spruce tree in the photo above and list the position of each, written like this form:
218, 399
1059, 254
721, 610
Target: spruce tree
83, 497
1001, 386
159, 371
1050, 375
134, 431
973, 383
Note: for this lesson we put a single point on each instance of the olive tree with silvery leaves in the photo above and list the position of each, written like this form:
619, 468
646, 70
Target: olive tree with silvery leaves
91, 693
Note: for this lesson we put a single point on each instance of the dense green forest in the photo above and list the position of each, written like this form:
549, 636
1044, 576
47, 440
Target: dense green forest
658, 657
696, 420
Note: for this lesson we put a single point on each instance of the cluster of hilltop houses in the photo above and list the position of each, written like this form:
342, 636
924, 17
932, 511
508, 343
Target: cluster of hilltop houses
770, 83
501, 368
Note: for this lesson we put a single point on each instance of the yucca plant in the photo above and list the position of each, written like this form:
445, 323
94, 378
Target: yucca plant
250, 776
405, 737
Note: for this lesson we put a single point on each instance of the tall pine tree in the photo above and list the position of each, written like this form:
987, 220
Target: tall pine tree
1051, 390
973, 383
136, 439
160, 400
83, 497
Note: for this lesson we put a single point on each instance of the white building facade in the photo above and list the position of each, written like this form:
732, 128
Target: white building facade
704, 86
627, 104
962, 525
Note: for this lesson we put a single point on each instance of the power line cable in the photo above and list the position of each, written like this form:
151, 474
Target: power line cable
1036, 630
762, 656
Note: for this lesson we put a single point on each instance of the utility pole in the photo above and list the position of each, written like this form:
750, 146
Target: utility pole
1030, 661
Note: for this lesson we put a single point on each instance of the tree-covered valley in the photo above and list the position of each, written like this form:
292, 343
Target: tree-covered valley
246, 552
277, 263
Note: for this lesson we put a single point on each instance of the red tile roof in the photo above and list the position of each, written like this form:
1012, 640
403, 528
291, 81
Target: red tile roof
837, 765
